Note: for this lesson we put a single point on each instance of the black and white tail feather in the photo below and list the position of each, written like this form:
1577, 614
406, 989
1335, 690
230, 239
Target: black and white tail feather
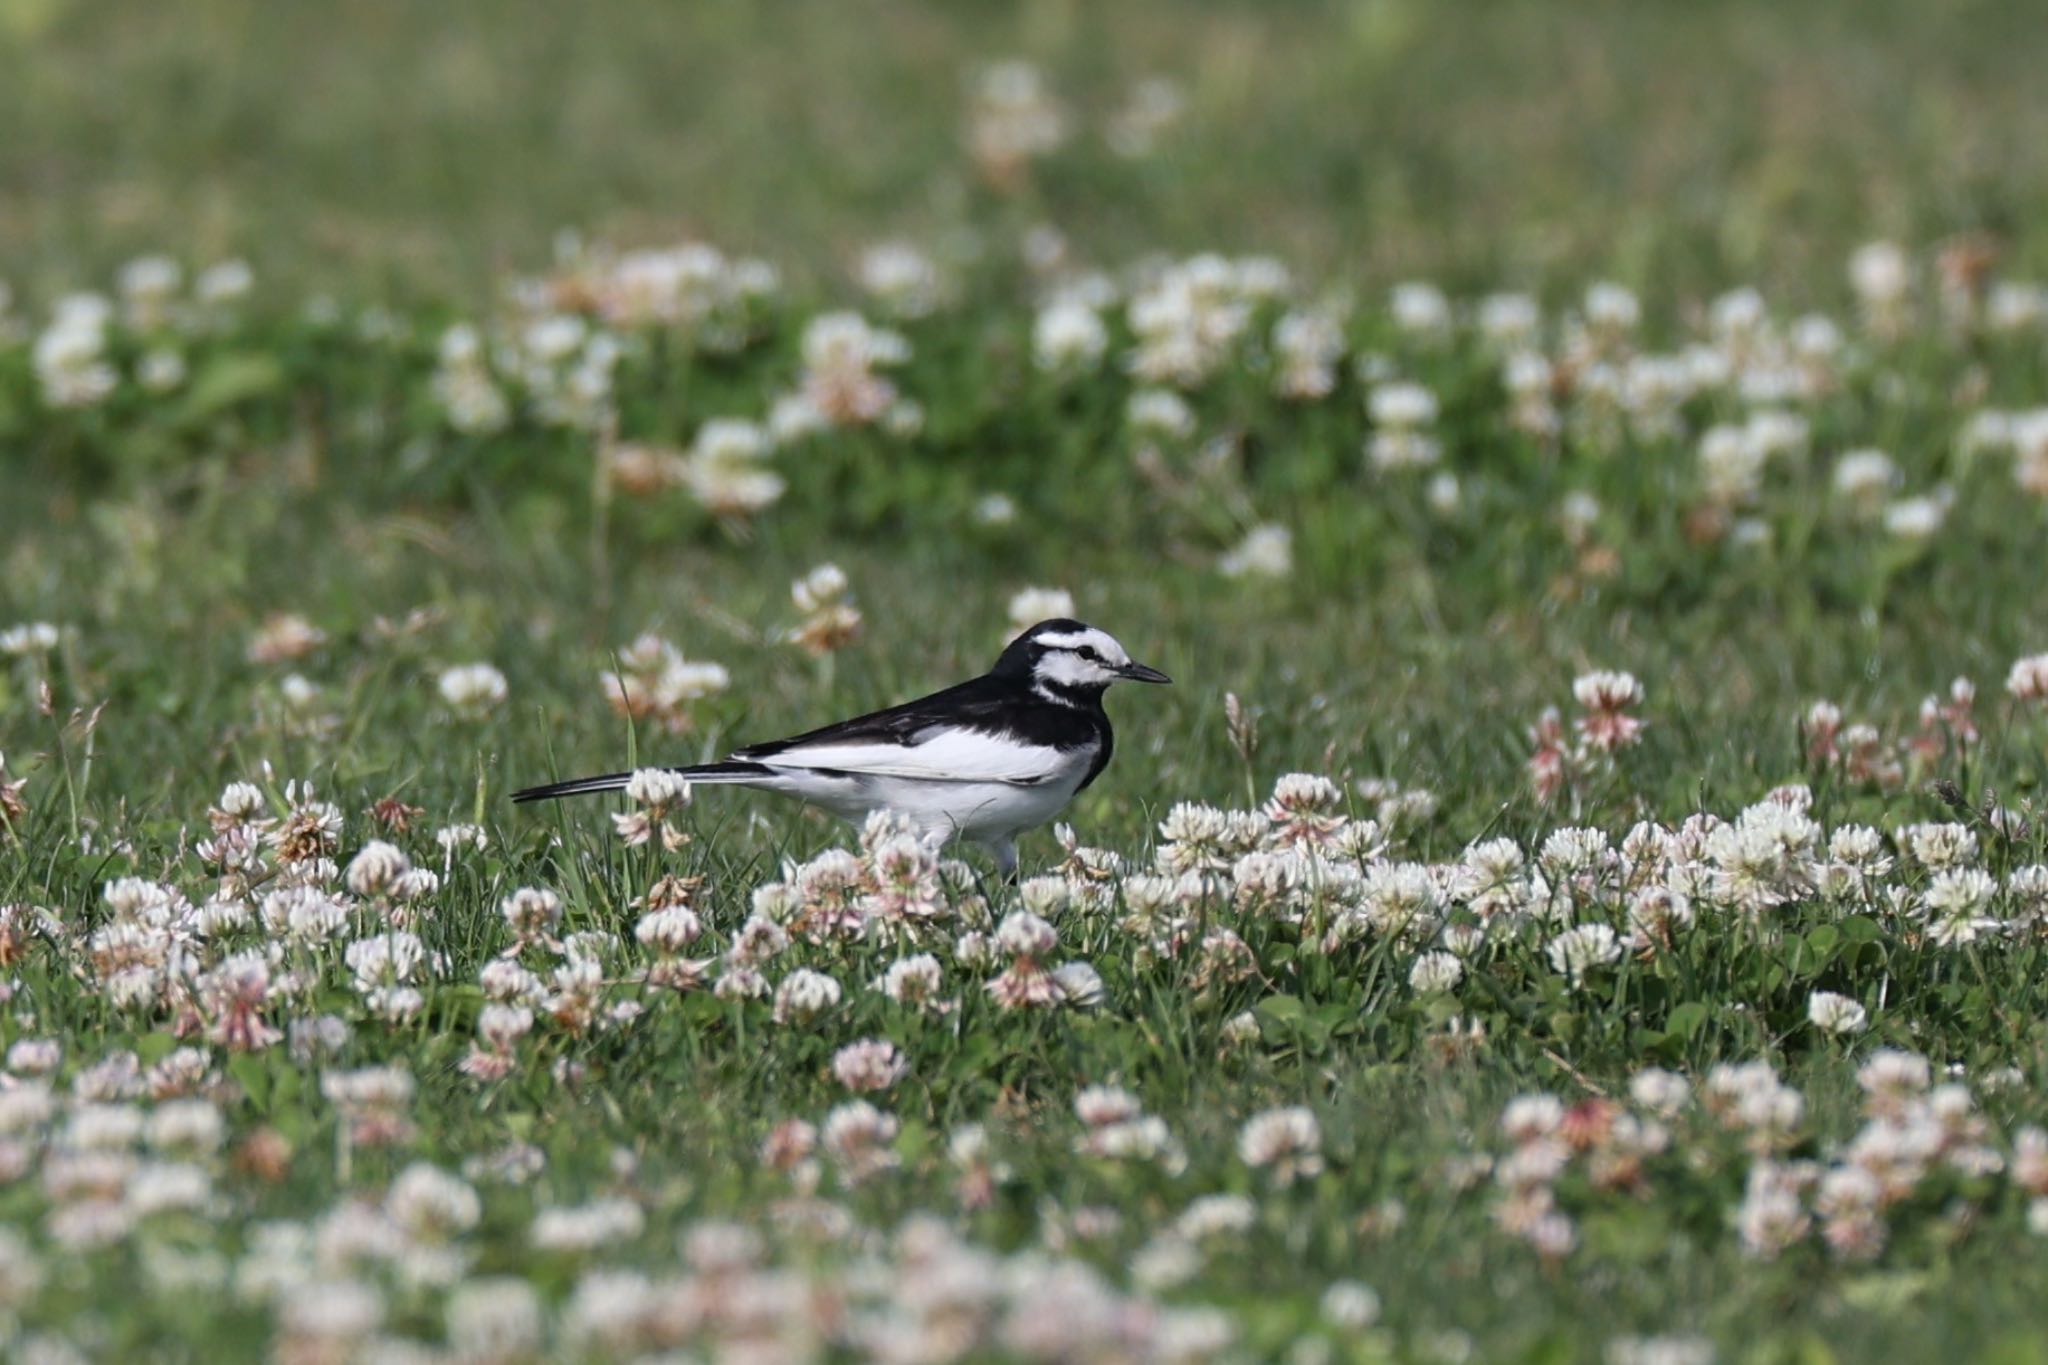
618, 782
983, 760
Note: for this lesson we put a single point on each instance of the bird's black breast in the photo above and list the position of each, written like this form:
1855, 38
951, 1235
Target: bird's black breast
1075, 723
1101, 755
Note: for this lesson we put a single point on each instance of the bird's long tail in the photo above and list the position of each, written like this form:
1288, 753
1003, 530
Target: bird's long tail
730, 771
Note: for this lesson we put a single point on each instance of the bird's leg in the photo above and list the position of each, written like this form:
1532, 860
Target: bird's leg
1005, 851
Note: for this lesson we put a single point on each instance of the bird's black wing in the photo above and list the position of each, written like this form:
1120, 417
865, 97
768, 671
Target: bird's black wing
968, 705
985, 729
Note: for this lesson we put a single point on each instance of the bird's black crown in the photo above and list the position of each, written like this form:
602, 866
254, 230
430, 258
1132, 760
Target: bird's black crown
1025, 651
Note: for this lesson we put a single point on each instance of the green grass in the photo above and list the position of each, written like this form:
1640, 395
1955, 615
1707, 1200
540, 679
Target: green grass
409, 160
392, 144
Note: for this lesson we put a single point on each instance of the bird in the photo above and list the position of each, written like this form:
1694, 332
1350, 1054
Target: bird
983, 760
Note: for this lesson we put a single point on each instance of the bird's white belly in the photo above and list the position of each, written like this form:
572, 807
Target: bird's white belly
979, 811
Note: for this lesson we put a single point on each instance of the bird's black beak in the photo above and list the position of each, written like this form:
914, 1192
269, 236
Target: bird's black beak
1140, 673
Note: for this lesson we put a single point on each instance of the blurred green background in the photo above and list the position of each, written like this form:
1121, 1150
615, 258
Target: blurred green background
434, 146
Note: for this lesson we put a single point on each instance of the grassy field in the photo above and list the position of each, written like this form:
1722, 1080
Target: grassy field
1583, 897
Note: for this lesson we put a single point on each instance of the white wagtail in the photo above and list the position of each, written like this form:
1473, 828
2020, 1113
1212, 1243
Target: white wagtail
983, 760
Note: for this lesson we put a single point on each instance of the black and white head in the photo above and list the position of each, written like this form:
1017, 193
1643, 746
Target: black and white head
1066, 660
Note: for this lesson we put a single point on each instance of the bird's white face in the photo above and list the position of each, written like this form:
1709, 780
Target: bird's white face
1081, 658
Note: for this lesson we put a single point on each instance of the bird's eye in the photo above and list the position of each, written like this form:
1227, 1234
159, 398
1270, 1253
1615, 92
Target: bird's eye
1088, 652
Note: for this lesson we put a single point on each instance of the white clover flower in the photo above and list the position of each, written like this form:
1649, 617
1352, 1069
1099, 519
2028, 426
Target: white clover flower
430, 1204
1420, 308
1029, 606
1494, 861
1045, 896
1578, 512
1957, 905
730, 441
669, 930
1836, 1014
1611, 307
1155, 105
1160, 412
912, 980
28, 640
824, 586
498, 1318
1287, 1142
1880, 273
1098, 1106
26, 1106
1350, 1305
857, 1136
1403, 414
995, 509
605, 1313
587, 1227
69, 356
1864, 478
22, 1273
377, 869
1659, 1350
532, 911
1917, 518
1307, 345
1014, 118
869, 1065
2015, 306
224, 282
1168, 1261
1581, 948
1079, 984
1510, 321
1265, 552
1217, 1215
504, 979
2026, 681
657, 788
1731, 464
1774, 432
101, 1127
724, 467
1241, 1028
1399, 898
1023, 934
1604, 690
841, 353
2028, 889
501, 1026
1068, 336
241, 800
803, 995
452, 838
1663, 1093
1403, 406
1432, 973
191, 1126
1526, 1118
1890, 1071
1771, 1217
1942, 846
901, 278
34, 1056
160, 370
472, 687
147, 285
329, 1313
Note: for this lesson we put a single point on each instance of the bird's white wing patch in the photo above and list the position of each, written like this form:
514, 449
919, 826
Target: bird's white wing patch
940, 755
